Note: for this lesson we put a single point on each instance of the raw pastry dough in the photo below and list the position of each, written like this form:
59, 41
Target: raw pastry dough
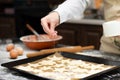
60, 68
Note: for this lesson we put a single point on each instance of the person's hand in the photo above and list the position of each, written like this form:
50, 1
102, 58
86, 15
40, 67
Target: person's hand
49, 23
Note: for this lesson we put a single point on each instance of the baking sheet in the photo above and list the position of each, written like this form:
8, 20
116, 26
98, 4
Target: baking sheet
11, 65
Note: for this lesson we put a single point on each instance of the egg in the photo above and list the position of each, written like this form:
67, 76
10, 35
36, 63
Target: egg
19, 50
10, 46
13, 54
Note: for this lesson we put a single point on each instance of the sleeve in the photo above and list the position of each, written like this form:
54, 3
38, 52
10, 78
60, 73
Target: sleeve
72, 9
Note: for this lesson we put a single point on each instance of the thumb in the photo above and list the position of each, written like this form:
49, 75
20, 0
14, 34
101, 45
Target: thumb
52, 29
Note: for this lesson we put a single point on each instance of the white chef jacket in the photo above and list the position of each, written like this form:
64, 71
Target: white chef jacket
72, 9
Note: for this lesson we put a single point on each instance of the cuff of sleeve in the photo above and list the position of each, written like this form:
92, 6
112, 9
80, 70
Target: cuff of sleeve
62, 16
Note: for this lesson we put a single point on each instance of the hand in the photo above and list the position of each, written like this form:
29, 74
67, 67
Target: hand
49, 23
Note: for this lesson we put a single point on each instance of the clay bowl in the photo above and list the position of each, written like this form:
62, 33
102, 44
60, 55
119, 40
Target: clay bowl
45, 41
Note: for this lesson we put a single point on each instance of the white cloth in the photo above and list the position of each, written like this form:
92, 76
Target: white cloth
72, 9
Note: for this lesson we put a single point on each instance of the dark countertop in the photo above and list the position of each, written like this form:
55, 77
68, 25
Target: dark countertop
6, 74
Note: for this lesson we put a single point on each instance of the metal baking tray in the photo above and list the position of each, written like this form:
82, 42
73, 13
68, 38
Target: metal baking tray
11, 65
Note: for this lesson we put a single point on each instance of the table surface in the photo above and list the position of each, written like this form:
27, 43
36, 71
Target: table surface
6, 74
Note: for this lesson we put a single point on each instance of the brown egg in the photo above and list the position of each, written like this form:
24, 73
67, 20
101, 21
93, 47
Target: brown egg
19, 50
13, 54
10, 46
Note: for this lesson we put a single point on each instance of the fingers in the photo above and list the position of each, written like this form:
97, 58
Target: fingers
45, 25
49, 23
49, 28
52, 29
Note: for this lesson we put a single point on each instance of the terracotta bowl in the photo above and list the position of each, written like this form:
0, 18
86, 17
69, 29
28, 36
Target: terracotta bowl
45, 41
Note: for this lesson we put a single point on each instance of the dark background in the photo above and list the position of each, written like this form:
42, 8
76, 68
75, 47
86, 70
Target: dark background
30, 11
